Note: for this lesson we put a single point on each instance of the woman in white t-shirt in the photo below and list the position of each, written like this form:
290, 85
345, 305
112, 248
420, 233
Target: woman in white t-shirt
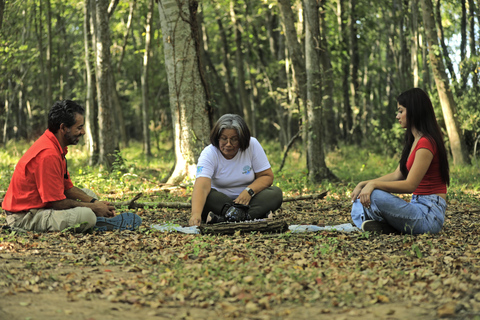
233, 171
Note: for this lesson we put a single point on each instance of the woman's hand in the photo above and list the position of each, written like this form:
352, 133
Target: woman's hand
195, 220
365, 193
357, 190
243, 198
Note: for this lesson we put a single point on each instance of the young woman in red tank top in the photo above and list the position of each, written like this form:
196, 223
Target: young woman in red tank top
423, 171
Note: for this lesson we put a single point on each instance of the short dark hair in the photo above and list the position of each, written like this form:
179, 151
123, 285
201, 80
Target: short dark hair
231, 121
64, 111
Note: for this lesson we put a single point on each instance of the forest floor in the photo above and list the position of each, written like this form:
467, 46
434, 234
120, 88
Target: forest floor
149, 274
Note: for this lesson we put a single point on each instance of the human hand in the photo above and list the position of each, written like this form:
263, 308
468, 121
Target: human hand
195, 220
365, 193
356, 192
103, 209
243, 198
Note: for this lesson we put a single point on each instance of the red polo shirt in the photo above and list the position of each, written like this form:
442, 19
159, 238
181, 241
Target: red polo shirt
39, 176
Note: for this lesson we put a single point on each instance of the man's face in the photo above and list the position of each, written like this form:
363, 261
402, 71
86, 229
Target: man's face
75, 132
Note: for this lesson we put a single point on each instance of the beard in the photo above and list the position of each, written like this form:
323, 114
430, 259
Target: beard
72, 139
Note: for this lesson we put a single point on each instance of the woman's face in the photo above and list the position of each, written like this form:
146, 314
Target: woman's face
402, 115
229, 143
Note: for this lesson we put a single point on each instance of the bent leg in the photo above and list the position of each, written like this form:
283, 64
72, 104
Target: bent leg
269, 199
42, 220
214, 203
423, 214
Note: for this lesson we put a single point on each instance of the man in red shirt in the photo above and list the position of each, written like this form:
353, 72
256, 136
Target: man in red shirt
41, 197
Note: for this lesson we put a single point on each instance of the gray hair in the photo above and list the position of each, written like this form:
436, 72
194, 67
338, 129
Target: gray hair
231, 121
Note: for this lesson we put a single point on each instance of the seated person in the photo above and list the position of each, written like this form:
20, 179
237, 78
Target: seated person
233, 171
41, 197
423, 171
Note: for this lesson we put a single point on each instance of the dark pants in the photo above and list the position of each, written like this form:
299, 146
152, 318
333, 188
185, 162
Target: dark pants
270, 199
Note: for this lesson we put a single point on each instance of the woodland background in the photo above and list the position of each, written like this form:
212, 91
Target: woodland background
325, 72
315, 78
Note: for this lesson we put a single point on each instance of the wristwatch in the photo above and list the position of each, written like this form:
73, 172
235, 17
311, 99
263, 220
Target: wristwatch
250, 192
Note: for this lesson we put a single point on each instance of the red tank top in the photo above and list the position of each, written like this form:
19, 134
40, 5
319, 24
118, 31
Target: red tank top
432, 181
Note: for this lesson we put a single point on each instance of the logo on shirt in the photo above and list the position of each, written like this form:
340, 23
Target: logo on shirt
199, 169
246, 170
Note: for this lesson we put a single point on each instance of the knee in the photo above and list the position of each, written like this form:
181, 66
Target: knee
277, 194
87, 218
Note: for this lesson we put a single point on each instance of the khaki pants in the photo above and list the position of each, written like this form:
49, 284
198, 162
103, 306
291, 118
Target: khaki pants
80, 219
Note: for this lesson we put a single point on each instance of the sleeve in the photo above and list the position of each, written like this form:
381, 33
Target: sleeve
49, 177
425, 143
206, 163
259, 161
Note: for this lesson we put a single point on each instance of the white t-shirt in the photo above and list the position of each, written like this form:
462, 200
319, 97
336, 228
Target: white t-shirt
232, 176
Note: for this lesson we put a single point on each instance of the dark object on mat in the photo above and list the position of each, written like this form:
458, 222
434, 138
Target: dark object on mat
237, 213
264, 226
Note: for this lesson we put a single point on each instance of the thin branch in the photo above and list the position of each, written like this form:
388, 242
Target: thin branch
289, 145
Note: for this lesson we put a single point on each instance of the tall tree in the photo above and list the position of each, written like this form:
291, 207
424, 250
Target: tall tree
328, 113
145, 104
457, 143
49, 94
347, 119
107, 143
91, 112
188, 103
317, 169
2, 8
295, 52
240, 64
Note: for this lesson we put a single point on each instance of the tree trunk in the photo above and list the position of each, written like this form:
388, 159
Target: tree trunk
298, 62
91, 125
353, 67
48, 59
457, 143
463, 46
473, 50
229, 86
328, 113
317, 169
127, 32
145, 105
239, 62
347, 119
107, 144
414, 57
2, 8
190, 111
441, 38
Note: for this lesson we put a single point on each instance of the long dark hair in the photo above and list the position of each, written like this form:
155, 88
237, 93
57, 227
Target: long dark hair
421, 116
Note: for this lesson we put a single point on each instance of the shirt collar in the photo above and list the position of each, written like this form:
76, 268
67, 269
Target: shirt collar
55, 141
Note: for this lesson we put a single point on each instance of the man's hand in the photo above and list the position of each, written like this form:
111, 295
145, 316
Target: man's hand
103, 209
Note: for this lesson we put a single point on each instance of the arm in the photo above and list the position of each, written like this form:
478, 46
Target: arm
201, 189
423, 159
78, 198
263, 180
393, 176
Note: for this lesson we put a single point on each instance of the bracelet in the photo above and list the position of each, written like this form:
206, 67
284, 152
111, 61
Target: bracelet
93, 200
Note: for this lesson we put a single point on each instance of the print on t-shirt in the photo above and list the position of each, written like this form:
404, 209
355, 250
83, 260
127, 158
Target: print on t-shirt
246, 170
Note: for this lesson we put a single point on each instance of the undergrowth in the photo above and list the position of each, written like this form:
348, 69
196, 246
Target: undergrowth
134, 173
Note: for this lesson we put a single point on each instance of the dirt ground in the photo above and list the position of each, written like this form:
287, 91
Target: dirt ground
86, 277
55, 305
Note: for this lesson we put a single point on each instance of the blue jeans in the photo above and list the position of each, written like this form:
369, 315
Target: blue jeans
423, 214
